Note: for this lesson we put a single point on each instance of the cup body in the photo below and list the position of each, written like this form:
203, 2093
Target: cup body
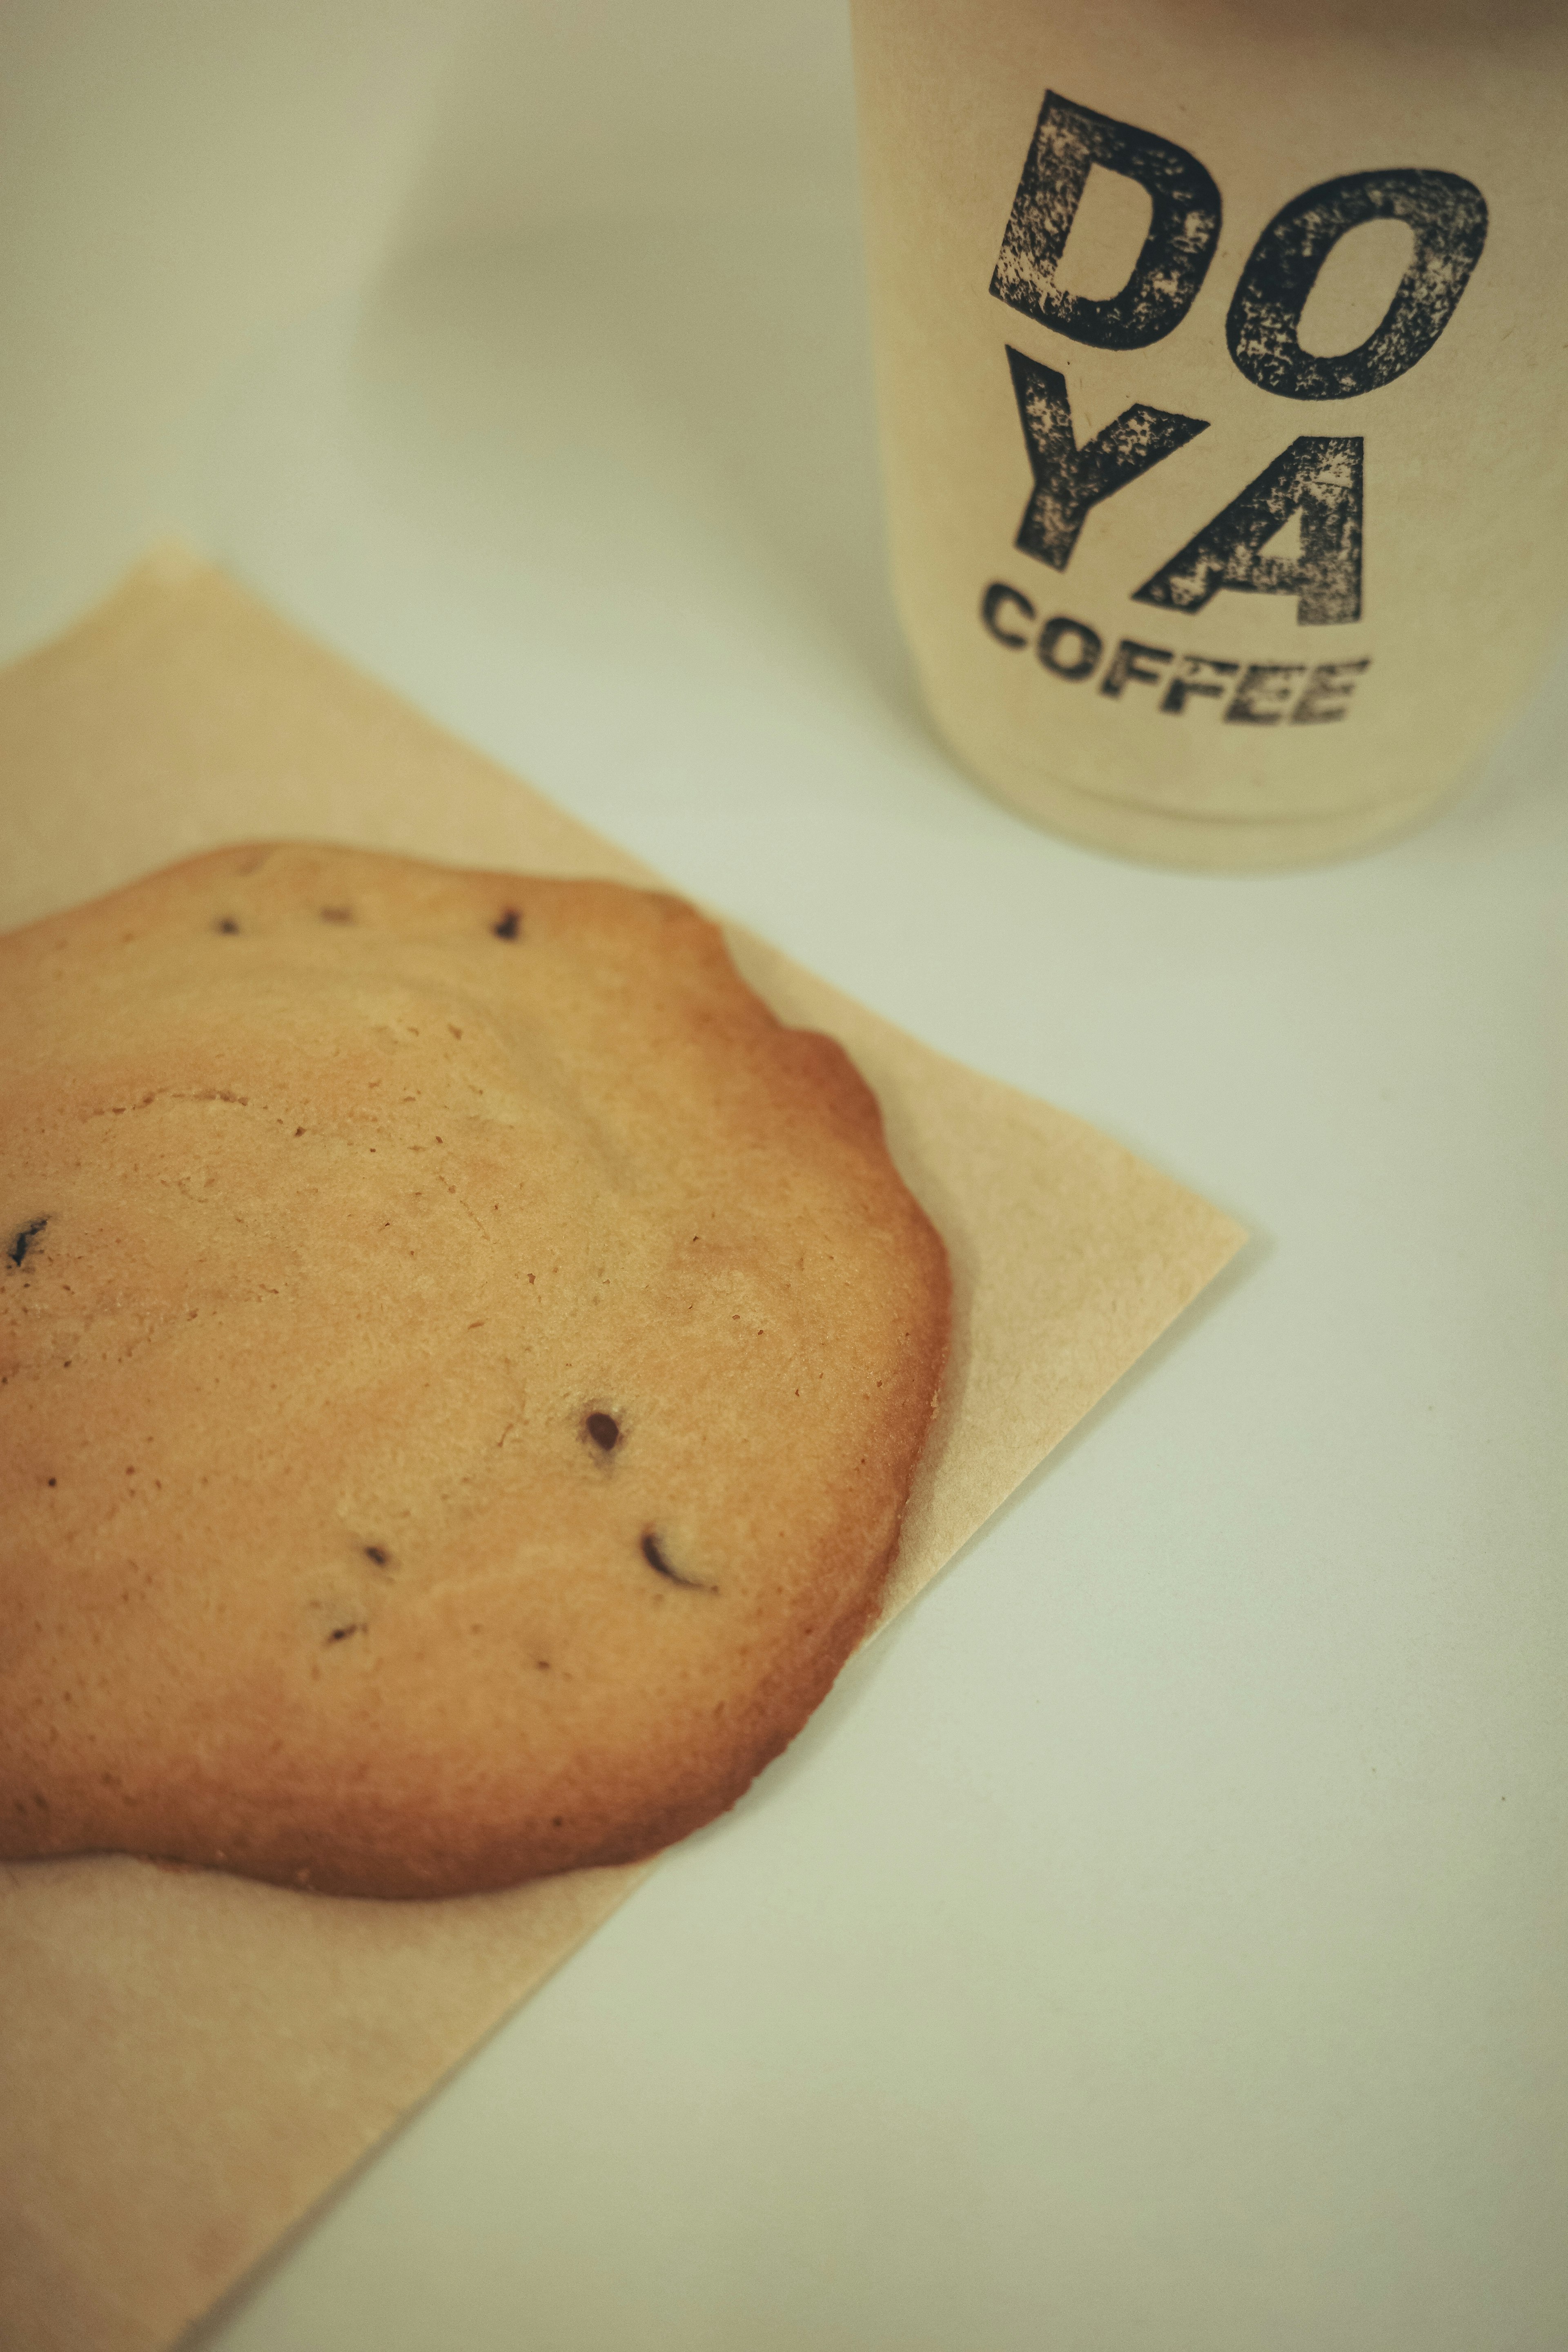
1219, 352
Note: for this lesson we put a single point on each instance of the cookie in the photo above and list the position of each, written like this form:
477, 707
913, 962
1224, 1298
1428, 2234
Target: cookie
462, 1366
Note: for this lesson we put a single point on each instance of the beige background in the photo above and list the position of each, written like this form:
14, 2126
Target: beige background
1159, 1943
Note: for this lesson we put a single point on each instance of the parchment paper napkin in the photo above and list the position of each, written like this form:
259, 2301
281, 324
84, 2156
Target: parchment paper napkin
187, 2061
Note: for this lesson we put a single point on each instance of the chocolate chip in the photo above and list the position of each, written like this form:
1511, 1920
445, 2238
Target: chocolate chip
225, 923
605, 1432
25, 1240
509, 926
656, 1558
341, 1633
375, 1553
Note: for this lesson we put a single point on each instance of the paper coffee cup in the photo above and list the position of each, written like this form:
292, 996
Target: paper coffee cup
1220, 370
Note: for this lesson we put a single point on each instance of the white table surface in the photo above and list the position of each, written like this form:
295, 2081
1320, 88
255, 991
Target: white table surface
1155, 1942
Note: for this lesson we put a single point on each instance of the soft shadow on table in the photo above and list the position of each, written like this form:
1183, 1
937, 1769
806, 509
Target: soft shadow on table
676, 412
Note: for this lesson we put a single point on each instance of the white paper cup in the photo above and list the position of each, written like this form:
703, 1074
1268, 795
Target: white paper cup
1220, 369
